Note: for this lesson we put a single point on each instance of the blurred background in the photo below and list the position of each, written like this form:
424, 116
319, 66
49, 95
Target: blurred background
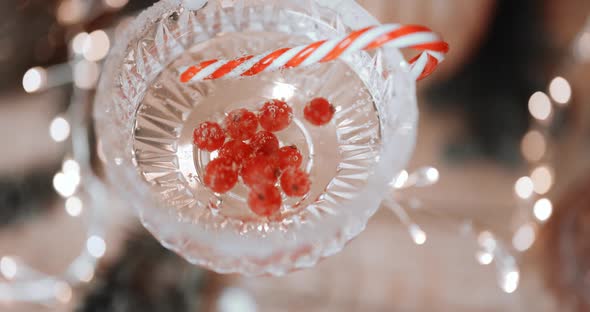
504, 130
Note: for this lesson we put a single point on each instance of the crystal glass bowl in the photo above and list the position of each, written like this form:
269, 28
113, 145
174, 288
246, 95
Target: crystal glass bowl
144, 119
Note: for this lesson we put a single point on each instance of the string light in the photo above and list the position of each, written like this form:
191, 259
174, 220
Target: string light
543, 209
59, 129
524, 187
540, 106
34, 79
560, 90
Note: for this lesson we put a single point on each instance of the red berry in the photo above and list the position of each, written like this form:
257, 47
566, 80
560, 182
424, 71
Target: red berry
295, 183
221, 175
265, 143
237, 151
209, 136
289, 157
319, 111
275, 115
264, 200
241, 124
260, 170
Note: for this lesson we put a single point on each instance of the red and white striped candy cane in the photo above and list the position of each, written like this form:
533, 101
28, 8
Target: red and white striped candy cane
394, 35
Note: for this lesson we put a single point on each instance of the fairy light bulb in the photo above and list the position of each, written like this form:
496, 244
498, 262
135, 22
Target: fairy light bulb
543, 209
236, 300
97, 47
34, 79
560, 90
8, 267
484, 257
524, 187
542, 178
540, 106
59, 129
486, 240
524, 237
417, 234
73, 206
96, 246
81, 43
401, 180
86, 74
432, 175
533, 146
510, 281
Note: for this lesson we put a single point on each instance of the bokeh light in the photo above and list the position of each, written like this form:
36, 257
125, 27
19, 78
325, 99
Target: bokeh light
59, 129
524, 237
96, 246
97, 47
560, 90
34, 79
540, 106
86, 74
542, 178
8, 267
73, 206
115, 4
543, 209
524, 187
533, 146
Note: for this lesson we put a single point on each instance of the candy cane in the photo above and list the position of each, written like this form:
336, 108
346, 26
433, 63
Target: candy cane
392, 35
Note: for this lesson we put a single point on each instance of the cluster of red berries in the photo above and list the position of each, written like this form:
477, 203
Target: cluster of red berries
255, 155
